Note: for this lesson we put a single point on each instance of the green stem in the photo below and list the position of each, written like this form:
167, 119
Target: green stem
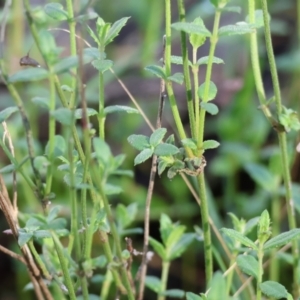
64, 266
275, 217
213, 43
101, 105
51, 136
186, 71
260, 255
73, 51
195, 71
164, 279
206, 229
73, 201
283, 147
169, 86
114, 232
38, 260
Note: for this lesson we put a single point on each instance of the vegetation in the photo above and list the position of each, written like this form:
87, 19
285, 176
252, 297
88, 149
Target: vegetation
222, 194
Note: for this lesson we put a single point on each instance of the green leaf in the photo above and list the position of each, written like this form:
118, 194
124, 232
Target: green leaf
177, 60
282, 239
248, 265
7, 112
89, 111
192, 296
239, 237
162, 165
153, 283
41, 101
157, 136
165, 150
59, 146
30, 74
24, 237
166, 227
120, 108
181, 246
111, 189
48, 46
93, 35
210, 107
204, 60
262, 176
237, 224
158, 248
41, 164
191, 28
94, 53
53, 213
7, 169
250, 225
289, 119
210, 144
139, 141
56, 11
259, 19
102, 65
263, 232
211, 94
143, 156
174, 293
65, 64
102, 150
63, 115
217, 287
42, 234
88, 16
157, 71
174, 236
190, 143
239, 28
273, 289
115, 29
177, 77
197, 40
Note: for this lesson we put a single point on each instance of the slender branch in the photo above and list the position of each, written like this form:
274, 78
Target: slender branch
283, 147
143, 267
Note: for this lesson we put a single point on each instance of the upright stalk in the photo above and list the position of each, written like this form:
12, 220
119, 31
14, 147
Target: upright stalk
164, 278
169, 86
73, 51
260, 255
283, 147
186, 71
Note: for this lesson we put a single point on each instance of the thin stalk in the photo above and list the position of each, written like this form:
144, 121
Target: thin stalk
101, 116
260, 271
206, 229
169, 86
51, 136
115, 235
73, 201
73, 51
195, 71
283, 147
64, 266
275, 217
186, 71
164, 278
213, 43
39, 261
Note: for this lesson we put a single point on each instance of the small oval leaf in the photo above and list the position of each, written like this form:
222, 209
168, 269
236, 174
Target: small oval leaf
211, 93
